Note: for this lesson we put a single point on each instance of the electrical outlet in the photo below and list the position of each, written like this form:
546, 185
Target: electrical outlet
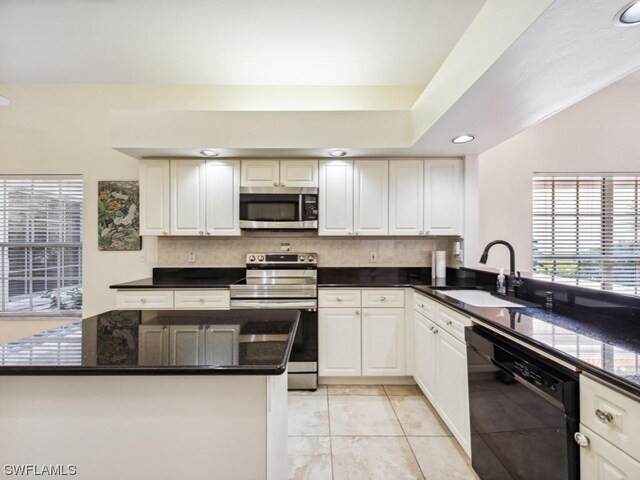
373, 257
191, 257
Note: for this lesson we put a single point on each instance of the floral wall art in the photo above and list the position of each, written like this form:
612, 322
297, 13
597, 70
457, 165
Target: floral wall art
119, 216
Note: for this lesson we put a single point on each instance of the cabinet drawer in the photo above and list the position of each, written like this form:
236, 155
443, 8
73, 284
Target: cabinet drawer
202, 299
144, 299
339, 298
600, 460
453, 322
610, 414
423, 305
391, 298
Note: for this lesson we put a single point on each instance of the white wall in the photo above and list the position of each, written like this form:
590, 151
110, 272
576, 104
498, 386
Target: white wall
599, 134
64, 129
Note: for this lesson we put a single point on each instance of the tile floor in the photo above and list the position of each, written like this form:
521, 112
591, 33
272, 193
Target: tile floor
370, 432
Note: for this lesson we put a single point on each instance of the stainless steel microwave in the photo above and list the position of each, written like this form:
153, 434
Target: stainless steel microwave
279, 208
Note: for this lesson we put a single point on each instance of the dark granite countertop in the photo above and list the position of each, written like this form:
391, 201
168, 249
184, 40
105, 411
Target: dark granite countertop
607, 346
139, 342
177, 278
373, 277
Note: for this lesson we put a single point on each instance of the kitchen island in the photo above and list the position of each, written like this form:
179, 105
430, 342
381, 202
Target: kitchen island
151, 395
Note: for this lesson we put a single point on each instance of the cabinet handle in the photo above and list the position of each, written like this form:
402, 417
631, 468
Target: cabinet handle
430, 327
420, 232
356, 233
350, 233
338, 299
201, 300
434, 331
449, 322
208, 232
422, 305
165, 233
357, 312
383, 299
275, 184
604, 416
581, 440
201, 232
143, 300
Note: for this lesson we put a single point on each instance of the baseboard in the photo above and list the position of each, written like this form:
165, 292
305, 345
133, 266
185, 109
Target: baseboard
366, 380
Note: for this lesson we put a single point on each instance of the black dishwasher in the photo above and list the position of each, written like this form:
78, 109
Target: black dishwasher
523, 409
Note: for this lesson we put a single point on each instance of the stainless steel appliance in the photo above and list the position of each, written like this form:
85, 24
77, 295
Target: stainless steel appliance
524, 411
279, 208
286, 281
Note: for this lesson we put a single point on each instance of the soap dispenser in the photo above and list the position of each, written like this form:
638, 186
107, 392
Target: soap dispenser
501, 286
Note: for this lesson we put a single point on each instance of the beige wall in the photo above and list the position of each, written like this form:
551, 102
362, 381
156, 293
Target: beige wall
599, 134
332, 252
64, 129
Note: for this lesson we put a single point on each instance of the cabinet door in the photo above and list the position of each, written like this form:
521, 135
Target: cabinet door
371, 197
155, 197
299, 173
336, 198
222, 194
406, 197
600, 460
221, 345
383, 341
186, 345
260, 173
187, 197
443, 197
452, 398
153, 345
339, 340
425, 352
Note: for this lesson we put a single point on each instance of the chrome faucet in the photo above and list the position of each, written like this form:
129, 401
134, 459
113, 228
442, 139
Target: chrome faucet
513, 281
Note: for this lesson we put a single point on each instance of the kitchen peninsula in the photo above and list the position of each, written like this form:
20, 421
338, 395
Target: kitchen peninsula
152, 395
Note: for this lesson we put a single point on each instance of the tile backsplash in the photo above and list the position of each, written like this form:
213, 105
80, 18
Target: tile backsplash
332, 251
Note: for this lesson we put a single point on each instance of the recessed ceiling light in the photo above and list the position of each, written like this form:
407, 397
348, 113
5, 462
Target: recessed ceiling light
337, 153
463, 138
630, 15
4, 101
209, 153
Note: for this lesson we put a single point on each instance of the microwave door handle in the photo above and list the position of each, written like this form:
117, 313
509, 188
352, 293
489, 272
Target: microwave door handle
300, 217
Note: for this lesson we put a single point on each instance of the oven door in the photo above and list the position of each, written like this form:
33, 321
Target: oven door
278, 211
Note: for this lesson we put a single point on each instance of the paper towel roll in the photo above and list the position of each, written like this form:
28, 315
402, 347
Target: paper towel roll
440, 264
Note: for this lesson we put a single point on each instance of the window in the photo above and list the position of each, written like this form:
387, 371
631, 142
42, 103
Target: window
586, 231
40, 243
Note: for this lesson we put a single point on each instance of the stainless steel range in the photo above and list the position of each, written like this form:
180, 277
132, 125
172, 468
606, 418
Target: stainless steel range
286, 281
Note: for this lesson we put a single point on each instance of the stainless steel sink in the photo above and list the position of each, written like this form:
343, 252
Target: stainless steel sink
479, 298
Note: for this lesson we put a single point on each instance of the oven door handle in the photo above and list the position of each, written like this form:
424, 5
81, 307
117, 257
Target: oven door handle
283, 304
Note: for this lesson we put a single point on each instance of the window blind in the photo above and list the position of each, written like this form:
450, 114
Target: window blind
40, 243
586, 231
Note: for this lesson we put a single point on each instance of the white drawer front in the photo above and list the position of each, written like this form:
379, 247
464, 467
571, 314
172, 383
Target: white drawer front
144, 299
600, 460
202, 299
453, 322
383, 297
610, 414
338, 298
423, 305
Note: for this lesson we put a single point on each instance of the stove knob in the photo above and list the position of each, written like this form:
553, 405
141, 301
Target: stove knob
301, 258
252, 258
260, 258
310, 258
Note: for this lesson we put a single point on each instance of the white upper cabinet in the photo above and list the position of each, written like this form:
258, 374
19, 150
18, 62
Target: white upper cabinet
406, 191
222, 193
260, 173
154, 197
299, 173
443, 197
371, 197
187, 197
336, 198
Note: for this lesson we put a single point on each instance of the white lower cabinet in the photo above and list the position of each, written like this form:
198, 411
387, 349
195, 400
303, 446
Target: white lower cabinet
609, 422
440, 367
144, 299
339, 340
383, 341
600, 460
359, 341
